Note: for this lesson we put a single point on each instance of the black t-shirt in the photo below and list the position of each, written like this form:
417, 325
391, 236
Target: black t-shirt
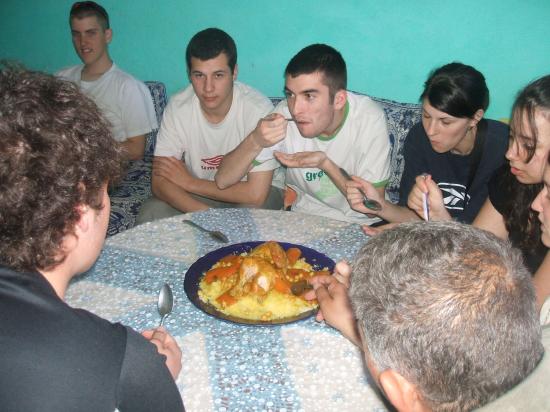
452, 172
500, 194
56, 358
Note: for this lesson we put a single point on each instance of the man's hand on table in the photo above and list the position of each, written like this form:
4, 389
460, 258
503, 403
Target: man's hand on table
167, 346
173, 170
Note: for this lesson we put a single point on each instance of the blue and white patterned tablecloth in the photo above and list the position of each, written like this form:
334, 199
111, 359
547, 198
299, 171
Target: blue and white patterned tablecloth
304, 366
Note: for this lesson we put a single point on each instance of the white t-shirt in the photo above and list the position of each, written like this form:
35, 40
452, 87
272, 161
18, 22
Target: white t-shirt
124, 101
361, 146
186, 133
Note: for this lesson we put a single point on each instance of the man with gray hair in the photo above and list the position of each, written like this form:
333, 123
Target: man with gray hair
445, 314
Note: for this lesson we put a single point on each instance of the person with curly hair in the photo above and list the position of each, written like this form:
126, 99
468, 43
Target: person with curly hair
56, 160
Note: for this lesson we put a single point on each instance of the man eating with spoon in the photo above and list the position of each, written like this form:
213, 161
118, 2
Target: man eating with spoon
56, 159
331, 128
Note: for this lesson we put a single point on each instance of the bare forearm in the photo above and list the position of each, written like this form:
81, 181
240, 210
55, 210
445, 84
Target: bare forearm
175, 196
396, 214
240, 192
134, 147
237, 163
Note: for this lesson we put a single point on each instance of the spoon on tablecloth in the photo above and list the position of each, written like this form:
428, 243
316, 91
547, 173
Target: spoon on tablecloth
214, 234
165, 302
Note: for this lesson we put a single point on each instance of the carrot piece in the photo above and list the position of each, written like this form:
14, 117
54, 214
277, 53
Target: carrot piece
281, 285
293, 254
221, 272
226, 299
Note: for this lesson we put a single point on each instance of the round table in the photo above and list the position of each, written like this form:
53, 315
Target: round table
303, 366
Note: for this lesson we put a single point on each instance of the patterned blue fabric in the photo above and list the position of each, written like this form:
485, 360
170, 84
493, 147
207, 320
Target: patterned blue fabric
135, 188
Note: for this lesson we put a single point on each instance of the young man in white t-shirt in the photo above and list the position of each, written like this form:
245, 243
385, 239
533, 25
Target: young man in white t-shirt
319, 128
199, 126
123, 100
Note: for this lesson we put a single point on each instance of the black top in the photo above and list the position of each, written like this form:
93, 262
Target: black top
500, 193
56, 358
452, 172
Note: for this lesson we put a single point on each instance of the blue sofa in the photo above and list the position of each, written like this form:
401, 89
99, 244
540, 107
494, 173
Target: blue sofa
128, 196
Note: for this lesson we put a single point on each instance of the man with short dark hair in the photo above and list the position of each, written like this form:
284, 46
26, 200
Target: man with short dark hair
125, 101
317, 130
56, 159
199, 126
445, 314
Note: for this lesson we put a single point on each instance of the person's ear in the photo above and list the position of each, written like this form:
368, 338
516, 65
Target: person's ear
400, 392
235, 71
478, 115
108, 35
340, 99
84, 222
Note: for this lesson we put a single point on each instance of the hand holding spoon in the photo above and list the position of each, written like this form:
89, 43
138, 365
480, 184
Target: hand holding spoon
368, 203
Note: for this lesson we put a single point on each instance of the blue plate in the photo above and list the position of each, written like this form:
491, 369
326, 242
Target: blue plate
196, 271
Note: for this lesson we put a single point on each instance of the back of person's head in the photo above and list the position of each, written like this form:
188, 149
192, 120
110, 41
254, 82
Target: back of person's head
56, 155
323, 59
449, 307
82, 9
534, 98
209, 44
456, 89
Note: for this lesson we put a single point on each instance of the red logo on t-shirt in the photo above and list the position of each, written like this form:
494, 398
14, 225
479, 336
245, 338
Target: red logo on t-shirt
212, 162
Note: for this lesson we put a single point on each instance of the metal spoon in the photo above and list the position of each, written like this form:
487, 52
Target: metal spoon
165, 303
369, 203
214, 234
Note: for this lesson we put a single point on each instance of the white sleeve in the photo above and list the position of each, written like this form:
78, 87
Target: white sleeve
137, 109
170, 141
374, 162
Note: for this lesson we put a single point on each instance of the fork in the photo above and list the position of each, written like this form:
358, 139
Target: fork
214, 234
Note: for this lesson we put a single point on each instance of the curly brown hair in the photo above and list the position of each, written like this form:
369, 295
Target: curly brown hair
56, 153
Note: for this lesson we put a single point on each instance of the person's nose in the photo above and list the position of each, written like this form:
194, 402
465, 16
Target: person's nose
431, 127
297, 107
537, 203
208, 84
513, 150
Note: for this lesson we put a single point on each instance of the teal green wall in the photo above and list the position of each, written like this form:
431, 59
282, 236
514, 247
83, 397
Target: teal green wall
389, 46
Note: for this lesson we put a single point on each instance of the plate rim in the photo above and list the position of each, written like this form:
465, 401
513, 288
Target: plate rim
192, 276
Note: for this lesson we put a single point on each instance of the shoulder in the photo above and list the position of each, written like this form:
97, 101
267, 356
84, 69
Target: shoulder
182, 99
125, 79
70, 73
498, 132
363, 105
416, 136
251, 96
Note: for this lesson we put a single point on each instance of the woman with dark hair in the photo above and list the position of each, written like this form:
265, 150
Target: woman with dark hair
507, 211
449, 157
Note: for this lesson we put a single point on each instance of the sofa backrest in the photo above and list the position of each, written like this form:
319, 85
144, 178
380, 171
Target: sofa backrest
158, 93
400, 117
